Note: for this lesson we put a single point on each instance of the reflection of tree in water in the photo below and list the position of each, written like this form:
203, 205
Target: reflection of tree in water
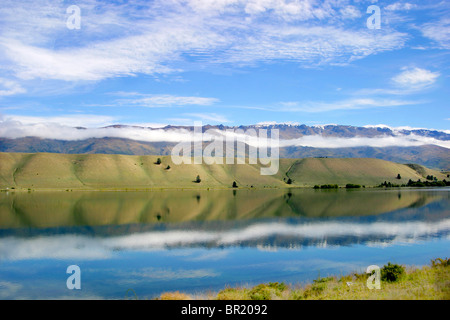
288, 196
48, 210
418, 203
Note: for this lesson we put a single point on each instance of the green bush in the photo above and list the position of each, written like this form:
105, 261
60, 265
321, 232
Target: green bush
323, 280
352, 186
267, 291
392, 272
440, 262
329, 186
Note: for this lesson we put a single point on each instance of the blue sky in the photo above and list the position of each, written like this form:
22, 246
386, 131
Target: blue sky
226, 62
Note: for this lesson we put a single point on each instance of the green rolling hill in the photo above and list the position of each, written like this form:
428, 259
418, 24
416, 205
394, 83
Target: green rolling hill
101, 171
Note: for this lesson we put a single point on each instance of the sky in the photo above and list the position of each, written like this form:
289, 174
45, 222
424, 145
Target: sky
234, 62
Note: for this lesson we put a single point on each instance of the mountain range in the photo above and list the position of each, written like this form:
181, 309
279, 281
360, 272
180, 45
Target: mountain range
403, 145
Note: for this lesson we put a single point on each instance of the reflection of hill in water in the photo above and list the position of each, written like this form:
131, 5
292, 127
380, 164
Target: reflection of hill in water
70, 209
266, 221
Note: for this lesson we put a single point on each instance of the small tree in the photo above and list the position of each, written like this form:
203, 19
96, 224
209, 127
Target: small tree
198, 180
392, 272
399, 176
234, 184
289, 181
168, 167
158, 161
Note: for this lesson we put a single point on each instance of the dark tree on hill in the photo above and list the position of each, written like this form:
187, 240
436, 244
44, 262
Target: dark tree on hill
289, 181
234, 184
168, 167
399, 176
158, 161
198, 180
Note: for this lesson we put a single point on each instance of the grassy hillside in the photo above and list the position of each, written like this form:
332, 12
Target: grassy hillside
100, 171
431, 156
363, 171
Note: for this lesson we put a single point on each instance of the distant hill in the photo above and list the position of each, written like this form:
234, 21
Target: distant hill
429, 155
99, 171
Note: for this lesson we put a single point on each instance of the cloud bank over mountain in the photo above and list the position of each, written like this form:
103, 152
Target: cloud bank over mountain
290, 135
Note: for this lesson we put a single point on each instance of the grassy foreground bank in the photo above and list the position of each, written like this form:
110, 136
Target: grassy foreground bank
397, 283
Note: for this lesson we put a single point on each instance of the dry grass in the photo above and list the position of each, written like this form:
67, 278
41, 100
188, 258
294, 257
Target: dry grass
174, 296
426, 283
100, 171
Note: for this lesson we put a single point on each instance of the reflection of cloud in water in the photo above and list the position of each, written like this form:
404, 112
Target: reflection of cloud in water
85, 247
53, 247
210, 256
315, 265
170, 275
8, 289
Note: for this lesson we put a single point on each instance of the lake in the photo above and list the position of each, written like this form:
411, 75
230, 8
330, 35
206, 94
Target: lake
200, 241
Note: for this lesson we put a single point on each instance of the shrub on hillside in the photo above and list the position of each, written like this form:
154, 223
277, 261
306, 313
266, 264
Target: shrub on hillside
329, 186
392, 272
440, 262
267, 291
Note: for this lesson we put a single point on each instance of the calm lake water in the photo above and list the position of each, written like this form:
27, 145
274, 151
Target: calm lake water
199, 241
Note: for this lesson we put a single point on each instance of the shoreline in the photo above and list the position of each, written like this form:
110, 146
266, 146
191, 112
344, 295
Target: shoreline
112, 189
429, 282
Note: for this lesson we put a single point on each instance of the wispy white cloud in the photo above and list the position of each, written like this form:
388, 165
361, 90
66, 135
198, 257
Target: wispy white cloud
415, 78
311, 45
438, 31
214, 117
350, 12
349, 104
289, 10
400, 6
411, 80
118, 40
271, 123
77, 120
165, 100
9, 87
